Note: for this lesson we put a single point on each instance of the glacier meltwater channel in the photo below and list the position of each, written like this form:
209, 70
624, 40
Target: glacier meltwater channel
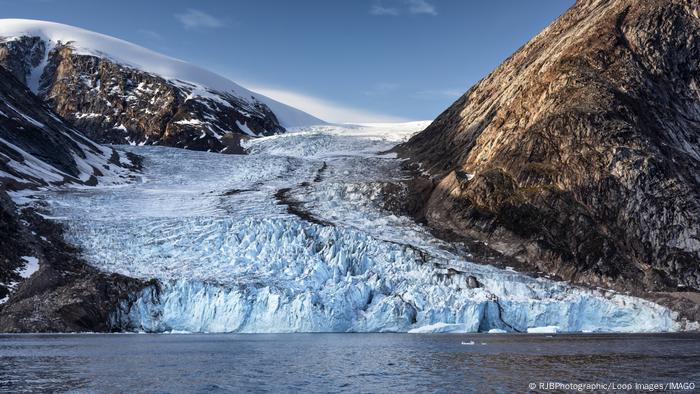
217, 233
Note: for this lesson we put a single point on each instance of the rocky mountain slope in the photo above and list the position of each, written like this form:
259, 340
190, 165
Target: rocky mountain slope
43, 284
580, 154
118, 92
37, 148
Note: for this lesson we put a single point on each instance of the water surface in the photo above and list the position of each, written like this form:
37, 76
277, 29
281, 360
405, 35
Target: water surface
339, 362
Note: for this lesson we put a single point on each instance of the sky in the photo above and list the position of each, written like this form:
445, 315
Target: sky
343, 61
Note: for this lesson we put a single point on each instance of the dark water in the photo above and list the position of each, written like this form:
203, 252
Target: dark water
340, 362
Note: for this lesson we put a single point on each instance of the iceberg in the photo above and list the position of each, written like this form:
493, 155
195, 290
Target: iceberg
544, 330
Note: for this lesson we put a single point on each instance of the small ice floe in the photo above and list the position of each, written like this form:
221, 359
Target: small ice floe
511, 269
468, 343
497, 331
544, 330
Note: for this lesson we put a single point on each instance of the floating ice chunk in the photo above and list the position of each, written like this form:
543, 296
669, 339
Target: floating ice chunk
544, 330
497, 331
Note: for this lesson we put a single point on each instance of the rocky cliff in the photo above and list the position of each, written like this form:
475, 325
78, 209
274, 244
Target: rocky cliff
580, 154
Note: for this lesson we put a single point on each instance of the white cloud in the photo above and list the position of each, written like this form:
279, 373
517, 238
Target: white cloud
192, 19
377, 9
324, 109
398, 7
421, 7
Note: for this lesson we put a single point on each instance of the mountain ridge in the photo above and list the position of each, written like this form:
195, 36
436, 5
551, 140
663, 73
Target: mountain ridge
118, 92
579, 154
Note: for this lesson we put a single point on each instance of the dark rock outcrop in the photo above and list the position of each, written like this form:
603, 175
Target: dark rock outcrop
117, 104
580, 154
37, 148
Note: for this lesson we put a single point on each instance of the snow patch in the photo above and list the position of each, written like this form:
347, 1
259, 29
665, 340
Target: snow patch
32, 265
244, 128
189, 122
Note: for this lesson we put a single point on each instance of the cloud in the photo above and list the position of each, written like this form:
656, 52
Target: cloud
324, 109
398, 7
192, 19
377, 9
421, 7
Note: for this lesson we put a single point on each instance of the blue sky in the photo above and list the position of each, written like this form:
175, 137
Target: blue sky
359, 60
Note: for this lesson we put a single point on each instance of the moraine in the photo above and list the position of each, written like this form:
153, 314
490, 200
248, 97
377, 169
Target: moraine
291, 238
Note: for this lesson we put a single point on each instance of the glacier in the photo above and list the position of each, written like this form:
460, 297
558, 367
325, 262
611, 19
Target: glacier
292, 238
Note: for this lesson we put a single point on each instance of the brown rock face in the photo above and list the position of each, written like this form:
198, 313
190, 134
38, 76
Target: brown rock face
580, 154
113, 103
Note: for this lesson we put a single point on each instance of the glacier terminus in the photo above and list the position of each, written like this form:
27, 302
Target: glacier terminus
293, 238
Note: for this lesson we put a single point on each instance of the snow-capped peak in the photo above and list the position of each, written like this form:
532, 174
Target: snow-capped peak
87, 42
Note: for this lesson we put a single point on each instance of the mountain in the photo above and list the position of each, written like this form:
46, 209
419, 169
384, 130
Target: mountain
43, 283
37, 148
121, 93
580, 154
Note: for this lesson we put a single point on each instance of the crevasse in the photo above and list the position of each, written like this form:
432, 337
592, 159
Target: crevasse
299, 277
